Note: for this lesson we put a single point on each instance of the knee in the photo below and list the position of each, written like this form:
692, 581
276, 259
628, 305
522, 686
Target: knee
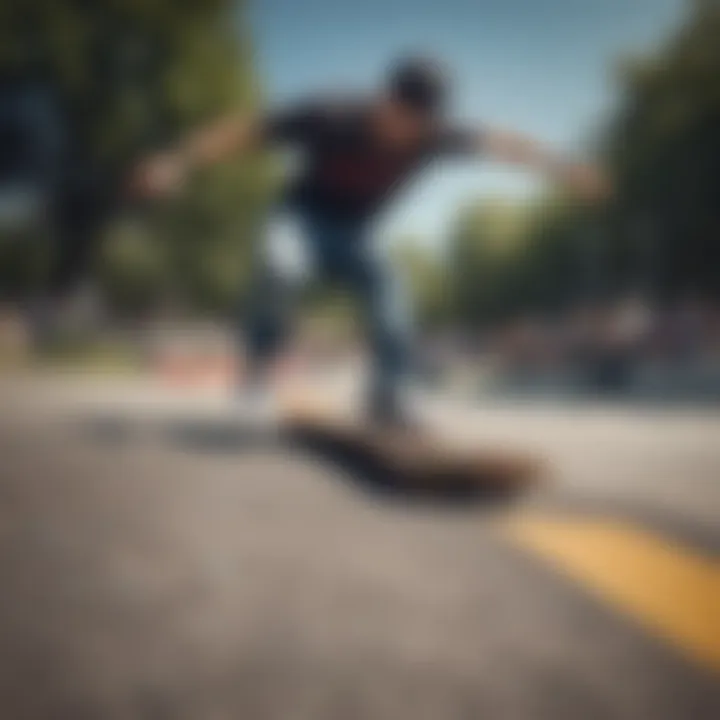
394, 305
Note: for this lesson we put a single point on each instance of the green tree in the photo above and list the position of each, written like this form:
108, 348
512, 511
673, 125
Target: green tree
428, 280
665, 149
507, 258
130, 76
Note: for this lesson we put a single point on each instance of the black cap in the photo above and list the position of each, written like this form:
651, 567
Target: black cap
420, 83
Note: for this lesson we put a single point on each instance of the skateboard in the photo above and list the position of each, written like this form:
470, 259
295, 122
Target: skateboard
412, 460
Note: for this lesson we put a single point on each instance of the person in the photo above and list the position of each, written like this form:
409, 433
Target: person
358, 153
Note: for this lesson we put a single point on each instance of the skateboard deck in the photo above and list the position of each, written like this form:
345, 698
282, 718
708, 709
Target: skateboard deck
413, 460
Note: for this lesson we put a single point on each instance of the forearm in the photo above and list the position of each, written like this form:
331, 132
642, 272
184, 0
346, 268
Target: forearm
167, 171
216, 141
515, 149
582, 179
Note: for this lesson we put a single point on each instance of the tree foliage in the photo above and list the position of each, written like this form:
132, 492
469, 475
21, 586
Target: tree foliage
660, 233
664, 147
509, 258
131, 76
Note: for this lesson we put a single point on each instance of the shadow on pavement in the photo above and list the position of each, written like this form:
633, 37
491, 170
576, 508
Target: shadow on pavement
208, 435
361, 470
365, 472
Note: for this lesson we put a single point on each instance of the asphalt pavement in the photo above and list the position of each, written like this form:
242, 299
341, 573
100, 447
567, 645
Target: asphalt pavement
158, 561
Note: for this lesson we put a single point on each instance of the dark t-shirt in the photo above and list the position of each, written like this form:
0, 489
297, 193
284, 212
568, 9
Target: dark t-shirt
346, 172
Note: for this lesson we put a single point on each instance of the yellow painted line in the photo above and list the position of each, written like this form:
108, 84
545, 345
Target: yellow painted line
669, 589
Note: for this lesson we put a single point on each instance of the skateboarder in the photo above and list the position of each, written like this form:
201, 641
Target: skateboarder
358, 152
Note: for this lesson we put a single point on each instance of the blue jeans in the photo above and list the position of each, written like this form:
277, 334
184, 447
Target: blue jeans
301, 246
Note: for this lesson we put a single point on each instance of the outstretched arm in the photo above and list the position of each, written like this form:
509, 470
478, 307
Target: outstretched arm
165, 172
516, 149
216, 141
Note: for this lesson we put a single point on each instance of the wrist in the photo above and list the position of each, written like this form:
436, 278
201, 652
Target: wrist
185, 158
560, 168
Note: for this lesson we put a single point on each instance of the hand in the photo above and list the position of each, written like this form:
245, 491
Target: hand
587, 182
160, 175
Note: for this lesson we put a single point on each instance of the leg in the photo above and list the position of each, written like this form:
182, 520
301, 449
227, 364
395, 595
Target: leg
387, 315
281, 268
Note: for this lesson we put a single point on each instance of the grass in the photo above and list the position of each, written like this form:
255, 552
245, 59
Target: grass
86, 356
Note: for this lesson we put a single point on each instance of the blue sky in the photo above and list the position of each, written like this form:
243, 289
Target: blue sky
540, 66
